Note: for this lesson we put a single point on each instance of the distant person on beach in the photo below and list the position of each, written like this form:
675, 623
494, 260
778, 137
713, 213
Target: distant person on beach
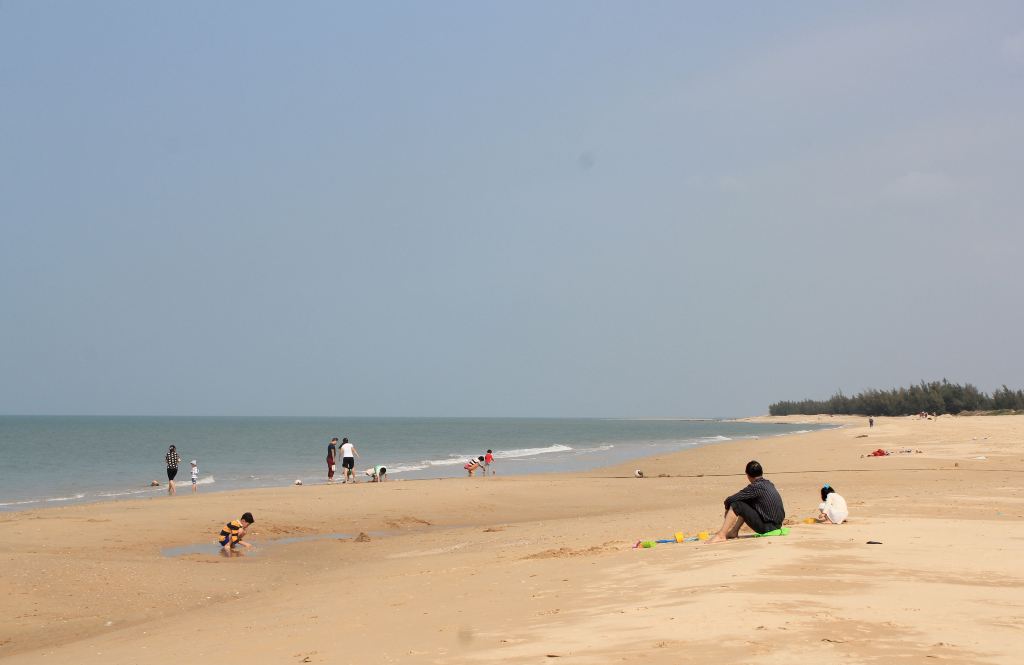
173, 459
195, 475
871, 421
332, 451
377, 474
832, 509
233, 532
488, 460
758, 505
472, 465
348, 460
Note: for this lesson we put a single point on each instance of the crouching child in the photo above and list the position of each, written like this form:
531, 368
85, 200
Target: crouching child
234, 531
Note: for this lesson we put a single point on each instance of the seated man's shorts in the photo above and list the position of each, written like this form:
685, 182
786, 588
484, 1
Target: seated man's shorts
752, 518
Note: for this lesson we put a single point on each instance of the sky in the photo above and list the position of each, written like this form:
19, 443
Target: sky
574, 209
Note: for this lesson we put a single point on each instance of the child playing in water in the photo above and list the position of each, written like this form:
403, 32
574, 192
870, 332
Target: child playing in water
195, 475
233, 532
832, 509
472, 465
488, 460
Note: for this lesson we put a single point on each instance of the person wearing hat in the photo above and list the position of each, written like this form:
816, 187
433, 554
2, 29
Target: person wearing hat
233, 532
173, 459
195, 475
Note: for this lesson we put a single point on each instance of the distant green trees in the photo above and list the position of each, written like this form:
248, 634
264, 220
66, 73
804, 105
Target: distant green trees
934, 397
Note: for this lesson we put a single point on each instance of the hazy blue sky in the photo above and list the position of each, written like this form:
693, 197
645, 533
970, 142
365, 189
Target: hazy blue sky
530, 208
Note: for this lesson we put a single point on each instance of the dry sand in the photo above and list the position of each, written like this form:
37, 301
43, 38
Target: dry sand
529, 569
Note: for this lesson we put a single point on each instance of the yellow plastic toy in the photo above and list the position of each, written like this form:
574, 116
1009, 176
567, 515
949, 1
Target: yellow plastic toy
703, 535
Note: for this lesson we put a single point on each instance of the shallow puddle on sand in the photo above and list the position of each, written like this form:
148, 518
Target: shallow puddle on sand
258, 545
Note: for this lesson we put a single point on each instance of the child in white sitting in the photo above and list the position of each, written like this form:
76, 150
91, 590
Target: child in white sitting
832, 509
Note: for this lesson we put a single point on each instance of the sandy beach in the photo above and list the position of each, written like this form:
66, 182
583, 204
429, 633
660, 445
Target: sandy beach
535, 568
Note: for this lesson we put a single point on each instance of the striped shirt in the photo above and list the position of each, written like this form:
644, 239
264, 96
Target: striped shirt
231, 533
762, 496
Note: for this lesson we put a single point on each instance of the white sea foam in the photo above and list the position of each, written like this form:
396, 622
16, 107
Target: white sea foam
530, 452
596, 449
66, 498
501, 454
446, 462
108, 495
20, 503
399, 468
710, 439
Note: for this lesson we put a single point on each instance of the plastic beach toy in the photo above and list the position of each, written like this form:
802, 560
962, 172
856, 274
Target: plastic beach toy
648, 544
809, 520
784, 531
703, 535
680, 537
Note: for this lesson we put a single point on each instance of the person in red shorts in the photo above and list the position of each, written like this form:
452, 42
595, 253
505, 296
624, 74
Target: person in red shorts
332, 450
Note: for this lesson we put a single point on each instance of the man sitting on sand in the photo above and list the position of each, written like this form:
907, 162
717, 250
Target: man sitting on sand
758, 505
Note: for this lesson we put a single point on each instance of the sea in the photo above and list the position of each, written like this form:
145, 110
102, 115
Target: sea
60, 460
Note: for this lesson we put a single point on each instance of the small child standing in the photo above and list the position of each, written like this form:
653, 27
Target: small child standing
488, 460
195, 476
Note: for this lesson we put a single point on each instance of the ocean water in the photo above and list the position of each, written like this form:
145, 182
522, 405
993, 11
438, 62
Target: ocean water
55, 460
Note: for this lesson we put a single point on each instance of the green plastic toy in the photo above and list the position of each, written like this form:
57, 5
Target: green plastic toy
784, 531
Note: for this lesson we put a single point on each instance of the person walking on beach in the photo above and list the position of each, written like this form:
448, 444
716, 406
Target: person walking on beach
348, 459
173, 459
332, 451
195, 476
758, 505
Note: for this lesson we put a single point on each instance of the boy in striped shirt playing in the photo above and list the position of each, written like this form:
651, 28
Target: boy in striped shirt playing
233, 532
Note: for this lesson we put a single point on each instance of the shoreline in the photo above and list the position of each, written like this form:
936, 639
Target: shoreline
208, 483
557, 550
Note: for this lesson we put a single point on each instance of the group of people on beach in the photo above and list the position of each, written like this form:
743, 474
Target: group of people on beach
377, 473
759, 506
345, 449
481, 462
173, 460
